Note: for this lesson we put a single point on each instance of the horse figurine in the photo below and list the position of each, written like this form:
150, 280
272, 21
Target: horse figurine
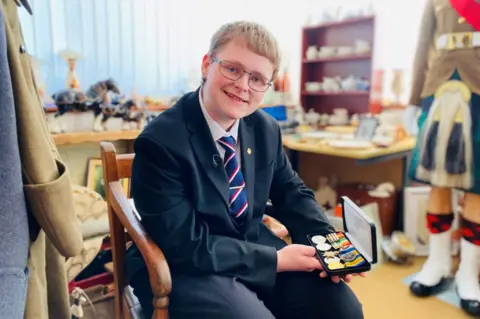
129, 111
74, 100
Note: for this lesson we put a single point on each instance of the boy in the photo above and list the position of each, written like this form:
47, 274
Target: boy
201, 178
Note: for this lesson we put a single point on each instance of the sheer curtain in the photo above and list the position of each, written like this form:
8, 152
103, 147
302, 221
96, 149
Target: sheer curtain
396, 36
155, 46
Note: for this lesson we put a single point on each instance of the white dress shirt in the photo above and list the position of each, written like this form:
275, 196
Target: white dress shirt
218, 132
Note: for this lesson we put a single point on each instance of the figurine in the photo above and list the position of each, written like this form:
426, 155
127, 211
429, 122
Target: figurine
311, 53
128, 111
446, 86
362, 47
94, 99
349, 83
324, 119
330, 84
299, 114
339, 117
312, 118
355, 119
325, 195
71, 57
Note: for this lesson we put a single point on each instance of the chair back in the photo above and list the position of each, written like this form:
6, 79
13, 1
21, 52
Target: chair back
116, 168
117, 171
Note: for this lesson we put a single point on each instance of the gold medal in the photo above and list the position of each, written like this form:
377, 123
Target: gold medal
336, 265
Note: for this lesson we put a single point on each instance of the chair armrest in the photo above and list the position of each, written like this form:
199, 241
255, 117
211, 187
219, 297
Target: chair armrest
158, 270
275, 226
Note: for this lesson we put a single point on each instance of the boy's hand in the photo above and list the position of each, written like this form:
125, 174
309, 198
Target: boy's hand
346, 278
297, 258
303, 258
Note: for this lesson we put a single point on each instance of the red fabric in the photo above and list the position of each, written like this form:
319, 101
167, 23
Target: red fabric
470, 231
102, 279
439, 223
468, 9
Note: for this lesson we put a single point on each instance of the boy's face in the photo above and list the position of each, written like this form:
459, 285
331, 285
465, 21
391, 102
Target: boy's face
225, 99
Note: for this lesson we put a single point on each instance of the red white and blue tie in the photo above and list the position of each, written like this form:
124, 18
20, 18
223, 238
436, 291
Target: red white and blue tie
238, 204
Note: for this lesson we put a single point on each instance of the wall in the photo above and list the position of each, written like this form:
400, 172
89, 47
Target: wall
76, 158
155, 46
150, 46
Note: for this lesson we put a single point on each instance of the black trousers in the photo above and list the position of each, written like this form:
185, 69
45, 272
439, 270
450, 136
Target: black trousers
299, 295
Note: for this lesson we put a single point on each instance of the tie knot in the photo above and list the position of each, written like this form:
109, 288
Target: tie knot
227, 141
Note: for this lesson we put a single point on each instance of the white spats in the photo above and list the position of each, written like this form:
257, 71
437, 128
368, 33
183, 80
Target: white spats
467, 274
439, 262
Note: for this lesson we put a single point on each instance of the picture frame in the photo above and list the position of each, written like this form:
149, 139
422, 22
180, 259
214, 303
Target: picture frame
414, 216
95, 178
366, 128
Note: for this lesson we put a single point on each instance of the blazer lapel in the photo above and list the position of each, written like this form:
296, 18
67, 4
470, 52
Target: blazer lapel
204, 146
247, 146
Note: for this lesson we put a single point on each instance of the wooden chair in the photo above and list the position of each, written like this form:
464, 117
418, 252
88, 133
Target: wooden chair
122, 217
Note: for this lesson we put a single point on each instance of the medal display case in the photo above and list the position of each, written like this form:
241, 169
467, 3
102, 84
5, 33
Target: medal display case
352, 251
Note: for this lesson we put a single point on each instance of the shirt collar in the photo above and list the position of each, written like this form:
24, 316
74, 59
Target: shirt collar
215, 128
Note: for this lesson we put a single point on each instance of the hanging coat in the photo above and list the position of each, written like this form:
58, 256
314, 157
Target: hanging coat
53, 226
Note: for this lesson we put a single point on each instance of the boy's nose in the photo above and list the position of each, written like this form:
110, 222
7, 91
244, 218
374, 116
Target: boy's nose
242, 83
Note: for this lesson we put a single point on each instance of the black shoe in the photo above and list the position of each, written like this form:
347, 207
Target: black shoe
472, 307
420, 290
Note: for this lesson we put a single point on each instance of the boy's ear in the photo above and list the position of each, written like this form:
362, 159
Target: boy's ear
205, 64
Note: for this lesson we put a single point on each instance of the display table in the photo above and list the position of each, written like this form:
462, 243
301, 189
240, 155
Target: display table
375, 165
401, 149
311, 160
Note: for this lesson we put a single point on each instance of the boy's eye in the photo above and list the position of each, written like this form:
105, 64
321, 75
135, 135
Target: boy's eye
258, 79
232, 69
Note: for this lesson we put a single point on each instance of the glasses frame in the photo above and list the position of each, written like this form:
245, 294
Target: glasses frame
220, 62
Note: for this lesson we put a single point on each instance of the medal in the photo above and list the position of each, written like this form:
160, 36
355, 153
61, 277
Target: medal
336, 265
318, 239
323, 247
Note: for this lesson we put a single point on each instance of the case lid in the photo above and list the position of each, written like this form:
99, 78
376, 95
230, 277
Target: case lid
360, 229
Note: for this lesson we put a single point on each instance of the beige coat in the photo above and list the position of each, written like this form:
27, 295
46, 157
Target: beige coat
55, 230
433, 67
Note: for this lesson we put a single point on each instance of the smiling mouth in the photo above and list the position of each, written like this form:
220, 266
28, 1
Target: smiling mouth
235, 97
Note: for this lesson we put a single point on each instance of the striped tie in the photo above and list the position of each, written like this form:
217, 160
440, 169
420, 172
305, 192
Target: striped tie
238, 204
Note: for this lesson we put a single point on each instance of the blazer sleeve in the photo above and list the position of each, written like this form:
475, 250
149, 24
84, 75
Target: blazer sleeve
294, 204
161, 195
424, 44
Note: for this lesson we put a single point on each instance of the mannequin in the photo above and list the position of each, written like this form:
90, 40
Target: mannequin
446, 88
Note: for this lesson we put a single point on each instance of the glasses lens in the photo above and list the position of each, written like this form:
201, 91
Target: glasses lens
234, 72
231, 71
258, 83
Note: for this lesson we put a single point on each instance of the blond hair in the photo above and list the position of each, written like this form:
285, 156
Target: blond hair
255, 36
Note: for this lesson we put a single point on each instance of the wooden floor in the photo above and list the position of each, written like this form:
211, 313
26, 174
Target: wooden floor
384, 295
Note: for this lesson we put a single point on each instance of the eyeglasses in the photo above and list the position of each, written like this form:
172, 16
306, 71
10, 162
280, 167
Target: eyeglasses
234, 72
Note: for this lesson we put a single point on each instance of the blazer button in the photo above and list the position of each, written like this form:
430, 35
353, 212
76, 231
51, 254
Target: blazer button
23, 49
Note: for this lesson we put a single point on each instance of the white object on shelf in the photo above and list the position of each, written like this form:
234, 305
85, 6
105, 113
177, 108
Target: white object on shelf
319, 135
350, 144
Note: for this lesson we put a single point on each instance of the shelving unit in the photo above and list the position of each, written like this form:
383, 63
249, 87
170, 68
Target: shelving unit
341, 58
337, 33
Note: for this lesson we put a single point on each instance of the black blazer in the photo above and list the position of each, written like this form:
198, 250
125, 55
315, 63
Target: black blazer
181, 193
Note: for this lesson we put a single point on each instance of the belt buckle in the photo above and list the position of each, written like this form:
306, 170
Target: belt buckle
467, 40
462, 40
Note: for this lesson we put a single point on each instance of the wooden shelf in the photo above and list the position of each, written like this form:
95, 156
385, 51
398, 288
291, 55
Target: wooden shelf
94, 137
337, 34
340, 93
339, 23
351, 57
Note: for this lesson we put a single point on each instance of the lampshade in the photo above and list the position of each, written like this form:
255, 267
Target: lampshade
468, 9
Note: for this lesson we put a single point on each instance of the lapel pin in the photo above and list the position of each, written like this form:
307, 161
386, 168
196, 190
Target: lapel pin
249, 151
